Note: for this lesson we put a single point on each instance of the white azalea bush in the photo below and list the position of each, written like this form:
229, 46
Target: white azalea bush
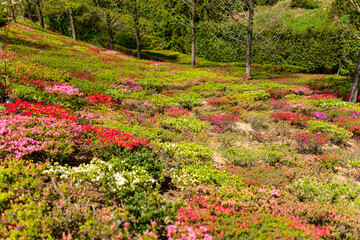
103, 173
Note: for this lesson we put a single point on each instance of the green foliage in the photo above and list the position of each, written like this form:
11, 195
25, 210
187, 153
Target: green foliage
308, 4
186, 153
185, 123
155, 84
333, 191
331, 103
189, 100
338, 135
241, 156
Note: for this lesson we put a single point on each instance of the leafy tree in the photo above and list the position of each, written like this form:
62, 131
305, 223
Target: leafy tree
188, 13
109, 11
240, 14
350, 8
138, 9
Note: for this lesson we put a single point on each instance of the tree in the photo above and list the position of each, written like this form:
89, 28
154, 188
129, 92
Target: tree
109, 11
352, 9
39, 13
241, 13
138, 9
188, 13
68, 6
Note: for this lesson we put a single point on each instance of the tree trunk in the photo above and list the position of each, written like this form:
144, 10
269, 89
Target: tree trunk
137, 31
355, 84
72, 22
28, 9
193, 34
110, 32
12, 10
39, 13
249, 39
138, 42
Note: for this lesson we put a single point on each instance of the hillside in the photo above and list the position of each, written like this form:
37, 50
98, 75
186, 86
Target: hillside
99, 145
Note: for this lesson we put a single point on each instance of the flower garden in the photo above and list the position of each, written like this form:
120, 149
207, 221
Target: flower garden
98, 145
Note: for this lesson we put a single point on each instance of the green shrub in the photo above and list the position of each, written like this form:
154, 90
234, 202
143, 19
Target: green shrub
244, 157
189, 100
185, 123
152, 83
331, 103
186, 153
308, 4
338, 135
310, 189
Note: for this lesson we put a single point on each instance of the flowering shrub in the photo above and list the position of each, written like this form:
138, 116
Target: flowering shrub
293, 118
101, 98
27, 136
211, 206
308, 142
127, 86
218, 102
279, 105
302, 91
94, 172
277, 93
320, 115
176, 112
39, 109
114, 137
338, 135
64, 88
221, 122
140, 106
322, 96
348, 122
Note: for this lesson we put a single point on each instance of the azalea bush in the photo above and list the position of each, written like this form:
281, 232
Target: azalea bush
38, 137
109, 141
221, 122
39, 109
308, 142
293, 118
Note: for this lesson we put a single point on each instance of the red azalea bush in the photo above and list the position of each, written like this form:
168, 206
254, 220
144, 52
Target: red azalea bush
115, 137
277, 93
176, 112
221, 122
249, 213
350, 123
309, 142
279, 105
322, 96
39, 109
218, 102
101, 98
293, 118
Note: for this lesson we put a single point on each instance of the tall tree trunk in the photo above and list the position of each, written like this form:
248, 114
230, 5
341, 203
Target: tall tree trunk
72, 22
355, 84
193, 34
39, 13
110, 32
249, 39
28, 9
137, 31
12, 10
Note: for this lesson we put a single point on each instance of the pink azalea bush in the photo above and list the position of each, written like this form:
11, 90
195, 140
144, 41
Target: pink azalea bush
65, 89
24, 135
